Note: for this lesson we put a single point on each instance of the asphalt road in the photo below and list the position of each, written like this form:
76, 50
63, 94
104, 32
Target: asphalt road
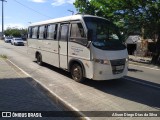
139, 91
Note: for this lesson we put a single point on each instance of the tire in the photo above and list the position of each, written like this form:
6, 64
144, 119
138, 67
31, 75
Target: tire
39, 59
77, 72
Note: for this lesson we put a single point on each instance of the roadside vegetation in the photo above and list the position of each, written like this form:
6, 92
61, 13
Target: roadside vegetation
15, 32
3, 56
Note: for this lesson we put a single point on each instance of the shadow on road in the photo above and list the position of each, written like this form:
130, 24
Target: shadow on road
134, 70
129, 90
58, 70
122, 88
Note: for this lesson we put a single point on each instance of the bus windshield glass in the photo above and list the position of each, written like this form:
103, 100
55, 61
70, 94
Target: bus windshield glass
105, 35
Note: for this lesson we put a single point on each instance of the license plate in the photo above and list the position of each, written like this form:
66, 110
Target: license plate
120, 67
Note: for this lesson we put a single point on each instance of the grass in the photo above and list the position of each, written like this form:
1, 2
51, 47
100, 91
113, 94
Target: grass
3, 56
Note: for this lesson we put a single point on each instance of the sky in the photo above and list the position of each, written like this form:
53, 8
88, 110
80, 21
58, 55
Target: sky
20, 13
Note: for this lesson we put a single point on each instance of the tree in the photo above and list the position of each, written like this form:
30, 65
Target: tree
129, 15
15, 32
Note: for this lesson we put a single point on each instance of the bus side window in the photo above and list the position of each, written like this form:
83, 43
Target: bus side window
42, 32
64, 32
35, 32
30, 32
77, 30
77, 33
52, 31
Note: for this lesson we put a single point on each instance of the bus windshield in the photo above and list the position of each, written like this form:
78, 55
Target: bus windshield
105, 35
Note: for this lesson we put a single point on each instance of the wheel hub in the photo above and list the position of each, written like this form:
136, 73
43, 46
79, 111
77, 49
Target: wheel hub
76, 73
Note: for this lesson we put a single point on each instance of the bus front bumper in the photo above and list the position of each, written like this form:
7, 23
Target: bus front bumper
108, 72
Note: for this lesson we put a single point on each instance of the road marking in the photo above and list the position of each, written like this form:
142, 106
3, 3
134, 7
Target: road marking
152, 68
142, 83
59, 98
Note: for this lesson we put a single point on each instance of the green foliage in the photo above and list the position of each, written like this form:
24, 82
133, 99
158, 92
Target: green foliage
15, 32
3, 56
130, 15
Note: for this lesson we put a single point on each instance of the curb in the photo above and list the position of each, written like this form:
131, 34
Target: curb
66, 106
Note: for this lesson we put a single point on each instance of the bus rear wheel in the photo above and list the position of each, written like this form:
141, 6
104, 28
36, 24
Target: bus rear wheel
77, 73
39, 59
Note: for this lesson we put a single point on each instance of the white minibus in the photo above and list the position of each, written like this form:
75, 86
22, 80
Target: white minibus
84, 45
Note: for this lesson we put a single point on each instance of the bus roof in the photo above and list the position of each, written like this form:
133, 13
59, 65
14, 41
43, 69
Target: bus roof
63, 19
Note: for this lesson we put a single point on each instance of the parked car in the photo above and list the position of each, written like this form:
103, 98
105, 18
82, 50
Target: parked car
8, 39
17, 41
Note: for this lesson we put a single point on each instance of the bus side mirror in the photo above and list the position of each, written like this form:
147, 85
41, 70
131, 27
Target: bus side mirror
89, 35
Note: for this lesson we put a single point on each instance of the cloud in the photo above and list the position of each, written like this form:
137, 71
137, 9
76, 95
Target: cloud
61, 2
70, 1
13, 25
38, 1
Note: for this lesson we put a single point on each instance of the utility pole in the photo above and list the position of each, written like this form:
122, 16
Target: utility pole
2, 19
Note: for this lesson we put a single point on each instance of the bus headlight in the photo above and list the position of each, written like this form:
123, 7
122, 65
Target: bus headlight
127, 59
107, 62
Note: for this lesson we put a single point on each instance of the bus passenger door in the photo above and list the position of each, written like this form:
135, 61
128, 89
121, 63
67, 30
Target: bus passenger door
63, 46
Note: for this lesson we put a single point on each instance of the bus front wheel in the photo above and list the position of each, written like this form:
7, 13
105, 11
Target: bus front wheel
39, 59
77, 73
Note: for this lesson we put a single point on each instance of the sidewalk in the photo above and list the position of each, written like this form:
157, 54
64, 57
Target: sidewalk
146, 60
18, 94
142, 61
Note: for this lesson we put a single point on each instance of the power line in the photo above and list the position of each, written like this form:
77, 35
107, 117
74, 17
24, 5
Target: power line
31, 9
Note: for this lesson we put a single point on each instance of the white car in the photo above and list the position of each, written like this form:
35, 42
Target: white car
17, 41
8, 39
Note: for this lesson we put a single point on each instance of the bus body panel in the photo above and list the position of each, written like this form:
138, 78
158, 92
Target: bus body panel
47, 48
31, 53
63, 55
108, 54
33, 47
78, 52
49, 51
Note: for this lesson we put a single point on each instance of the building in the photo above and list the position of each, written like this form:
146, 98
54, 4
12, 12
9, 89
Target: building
131, 42
137, 46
